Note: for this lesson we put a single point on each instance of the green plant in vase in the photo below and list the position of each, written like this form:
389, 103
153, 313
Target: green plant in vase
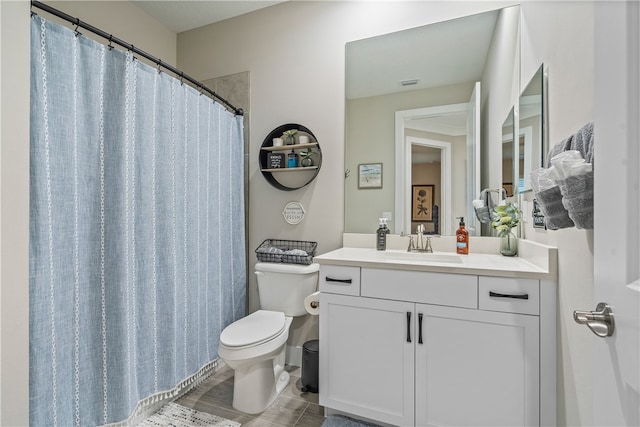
503, 219
289, 136
305, 158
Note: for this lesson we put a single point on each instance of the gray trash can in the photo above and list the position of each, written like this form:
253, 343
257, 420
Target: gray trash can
310, 362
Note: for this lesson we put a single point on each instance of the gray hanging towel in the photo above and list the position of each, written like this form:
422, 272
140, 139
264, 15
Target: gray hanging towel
581, 141
577, 198
555, 214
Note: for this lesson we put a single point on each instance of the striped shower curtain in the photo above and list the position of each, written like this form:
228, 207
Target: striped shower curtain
137, 244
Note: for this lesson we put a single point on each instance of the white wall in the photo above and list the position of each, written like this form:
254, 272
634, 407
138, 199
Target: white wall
561, 35
129, 23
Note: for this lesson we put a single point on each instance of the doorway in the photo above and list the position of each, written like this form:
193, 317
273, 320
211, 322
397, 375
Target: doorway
442, 132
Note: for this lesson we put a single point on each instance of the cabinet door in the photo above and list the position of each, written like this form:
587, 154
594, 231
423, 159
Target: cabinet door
367, 357
477, 368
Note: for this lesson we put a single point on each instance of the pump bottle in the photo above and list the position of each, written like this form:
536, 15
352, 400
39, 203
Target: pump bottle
381, 233
462, 238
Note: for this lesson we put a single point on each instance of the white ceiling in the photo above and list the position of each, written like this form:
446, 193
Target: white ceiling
183, 15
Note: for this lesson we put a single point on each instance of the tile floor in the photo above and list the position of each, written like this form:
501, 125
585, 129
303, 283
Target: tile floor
293, 408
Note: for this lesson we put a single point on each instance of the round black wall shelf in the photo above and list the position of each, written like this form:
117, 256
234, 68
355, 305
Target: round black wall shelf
273, 160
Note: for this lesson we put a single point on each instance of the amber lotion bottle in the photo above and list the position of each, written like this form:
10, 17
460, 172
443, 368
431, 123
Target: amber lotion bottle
462, 238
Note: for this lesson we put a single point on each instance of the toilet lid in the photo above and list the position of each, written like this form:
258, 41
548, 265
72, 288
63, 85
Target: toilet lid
254, 329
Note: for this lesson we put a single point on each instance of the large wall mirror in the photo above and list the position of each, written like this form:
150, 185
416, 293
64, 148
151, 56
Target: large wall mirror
417, 86
511, 161
532, 129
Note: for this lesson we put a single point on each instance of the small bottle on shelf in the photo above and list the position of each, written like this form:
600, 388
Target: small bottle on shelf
292, 159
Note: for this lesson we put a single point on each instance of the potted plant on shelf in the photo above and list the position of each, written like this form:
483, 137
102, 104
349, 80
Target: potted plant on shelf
289, 136
305, 158
503, 219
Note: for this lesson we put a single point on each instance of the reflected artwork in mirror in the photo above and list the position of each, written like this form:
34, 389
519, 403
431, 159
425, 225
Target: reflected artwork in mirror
532, 124
391, 80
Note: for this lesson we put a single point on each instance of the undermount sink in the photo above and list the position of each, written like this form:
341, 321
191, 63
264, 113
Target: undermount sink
422, 257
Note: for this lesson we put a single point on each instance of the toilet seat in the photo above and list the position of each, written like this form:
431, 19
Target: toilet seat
253, 330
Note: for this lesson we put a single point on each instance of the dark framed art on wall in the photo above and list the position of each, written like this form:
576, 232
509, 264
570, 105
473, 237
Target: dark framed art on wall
422, 202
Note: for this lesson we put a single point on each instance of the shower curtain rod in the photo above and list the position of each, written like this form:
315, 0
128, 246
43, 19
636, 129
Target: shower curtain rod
78, 23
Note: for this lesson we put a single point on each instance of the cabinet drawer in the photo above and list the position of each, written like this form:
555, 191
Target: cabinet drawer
509, 295
337, 279
456, 290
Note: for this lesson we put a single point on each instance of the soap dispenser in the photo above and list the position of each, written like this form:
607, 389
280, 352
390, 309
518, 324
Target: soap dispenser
292, 159
462, 238
382, 235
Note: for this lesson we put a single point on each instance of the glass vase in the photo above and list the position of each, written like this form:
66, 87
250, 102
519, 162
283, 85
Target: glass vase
508, 243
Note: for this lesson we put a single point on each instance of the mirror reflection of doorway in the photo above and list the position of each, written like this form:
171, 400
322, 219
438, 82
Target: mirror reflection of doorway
459, 126
426, 169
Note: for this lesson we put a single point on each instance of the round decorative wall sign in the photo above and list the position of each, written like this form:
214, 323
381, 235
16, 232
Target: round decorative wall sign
293, 213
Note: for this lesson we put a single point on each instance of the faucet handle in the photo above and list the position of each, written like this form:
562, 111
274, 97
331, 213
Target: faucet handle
428, 248
411, 244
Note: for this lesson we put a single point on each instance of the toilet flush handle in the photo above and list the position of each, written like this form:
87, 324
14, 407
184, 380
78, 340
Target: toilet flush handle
259, 273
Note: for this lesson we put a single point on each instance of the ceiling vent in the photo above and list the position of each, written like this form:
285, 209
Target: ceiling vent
411, 82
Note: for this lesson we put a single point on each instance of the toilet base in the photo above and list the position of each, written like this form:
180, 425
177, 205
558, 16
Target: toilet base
257, 385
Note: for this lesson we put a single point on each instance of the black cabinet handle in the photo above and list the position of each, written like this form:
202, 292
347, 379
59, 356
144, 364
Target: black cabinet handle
331, 279
408, 326
497, 295
419, 328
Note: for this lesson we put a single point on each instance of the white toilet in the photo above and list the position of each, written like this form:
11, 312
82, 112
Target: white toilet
254, 346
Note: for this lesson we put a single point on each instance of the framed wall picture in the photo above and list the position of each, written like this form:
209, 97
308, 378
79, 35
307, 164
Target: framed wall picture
508, 187
370, 175
422, 202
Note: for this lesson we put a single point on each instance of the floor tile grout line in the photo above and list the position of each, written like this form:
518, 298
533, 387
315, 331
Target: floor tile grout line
301, 414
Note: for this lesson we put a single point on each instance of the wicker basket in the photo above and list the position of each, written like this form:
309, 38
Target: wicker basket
283, 246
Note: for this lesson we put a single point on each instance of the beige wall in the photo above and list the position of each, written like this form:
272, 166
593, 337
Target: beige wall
561, 35
295, 52
14, 213
125, 21
129, 23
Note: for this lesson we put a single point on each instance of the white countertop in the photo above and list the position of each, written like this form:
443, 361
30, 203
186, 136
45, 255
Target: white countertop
474, 263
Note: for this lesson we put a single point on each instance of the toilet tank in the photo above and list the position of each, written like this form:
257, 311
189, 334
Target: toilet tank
283, 287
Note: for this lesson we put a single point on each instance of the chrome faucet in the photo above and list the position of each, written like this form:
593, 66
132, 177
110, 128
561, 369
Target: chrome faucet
422, 242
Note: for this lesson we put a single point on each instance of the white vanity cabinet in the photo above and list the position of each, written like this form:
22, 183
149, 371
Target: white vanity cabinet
419, 348
367, 367
476, 368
